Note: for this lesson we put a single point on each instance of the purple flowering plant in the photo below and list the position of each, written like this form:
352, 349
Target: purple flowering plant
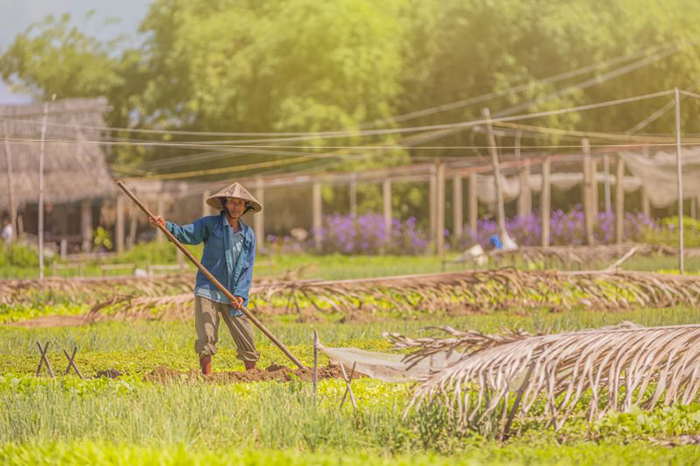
366, 235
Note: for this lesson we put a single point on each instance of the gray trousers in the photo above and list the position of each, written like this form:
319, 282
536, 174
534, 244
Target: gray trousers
207, 314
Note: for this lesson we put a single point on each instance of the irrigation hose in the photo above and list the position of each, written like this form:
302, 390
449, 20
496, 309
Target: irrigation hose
211, 278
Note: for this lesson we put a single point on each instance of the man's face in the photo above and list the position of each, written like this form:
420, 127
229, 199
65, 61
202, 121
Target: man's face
235, 206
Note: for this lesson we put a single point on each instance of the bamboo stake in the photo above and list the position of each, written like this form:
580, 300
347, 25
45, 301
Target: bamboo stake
44, 359
347, 384
315, 375
71, 363
211, 277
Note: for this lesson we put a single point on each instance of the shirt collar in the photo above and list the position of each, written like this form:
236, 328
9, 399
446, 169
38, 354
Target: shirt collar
241, 225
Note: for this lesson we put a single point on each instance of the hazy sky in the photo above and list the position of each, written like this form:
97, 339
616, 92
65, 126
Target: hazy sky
17, 15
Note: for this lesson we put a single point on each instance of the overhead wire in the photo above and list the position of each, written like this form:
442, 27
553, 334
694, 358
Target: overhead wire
590, 82
658, 113
465, 124
518, 88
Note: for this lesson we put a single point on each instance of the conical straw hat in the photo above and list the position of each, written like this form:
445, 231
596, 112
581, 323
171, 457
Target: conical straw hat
234, 190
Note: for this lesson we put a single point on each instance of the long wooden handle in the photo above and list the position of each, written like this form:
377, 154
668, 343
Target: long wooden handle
211, 277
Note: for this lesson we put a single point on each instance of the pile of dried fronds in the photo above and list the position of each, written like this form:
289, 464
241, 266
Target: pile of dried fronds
94, 289
449, 293
502, 378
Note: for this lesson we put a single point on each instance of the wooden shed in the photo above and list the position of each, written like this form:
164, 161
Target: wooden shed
77, 178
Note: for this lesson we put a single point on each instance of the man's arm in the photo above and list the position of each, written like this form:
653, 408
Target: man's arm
194, 233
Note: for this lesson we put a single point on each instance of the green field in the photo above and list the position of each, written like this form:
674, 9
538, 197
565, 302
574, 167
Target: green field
135, 420
131, 420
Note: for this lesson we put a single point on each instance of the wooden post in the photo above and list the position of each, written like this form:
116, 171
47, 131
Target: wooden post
594, 190
606, 169
496, 176
646, 204
20, 226
619, 201
119, 240
693, 208
206, 210
353, 196
473, 203
86, 224
587, 192
259, 218
386, 197
317, 213
545, 200
525, 199
10, 183
679, 165
133, 226
457, 208
525, 196
440, 209
160, 208
431, 207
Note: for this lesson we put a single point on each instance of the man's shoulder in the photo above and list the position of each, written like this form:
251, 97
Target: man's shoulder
210, 219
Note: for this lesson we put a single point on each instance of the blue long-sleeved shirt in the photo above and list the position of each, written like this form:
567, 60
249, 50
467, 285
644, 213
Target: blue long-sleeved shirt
227, 255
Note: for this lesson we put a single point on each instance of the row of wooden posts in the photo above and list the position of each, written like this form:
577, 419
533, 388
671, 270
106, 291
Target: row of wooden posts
437, 176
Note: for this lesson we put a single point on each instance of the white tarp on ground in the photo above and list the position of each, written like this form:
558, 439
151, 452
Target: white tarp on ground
659, 173
387, 367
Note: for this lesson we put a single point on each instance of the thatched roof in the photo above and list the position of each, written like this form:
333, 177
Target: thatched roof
74, 164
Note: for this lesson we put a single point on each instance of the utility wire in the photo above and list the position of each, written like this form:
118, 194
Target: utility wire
465, 124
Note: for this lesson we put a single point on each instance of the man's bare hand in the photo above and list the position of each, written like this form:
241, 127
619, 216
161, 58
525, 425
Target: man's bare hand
157, 220
237, 303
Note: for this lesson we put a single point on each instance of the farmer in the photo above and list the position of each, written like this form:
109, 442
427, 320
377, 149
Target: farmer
229, 253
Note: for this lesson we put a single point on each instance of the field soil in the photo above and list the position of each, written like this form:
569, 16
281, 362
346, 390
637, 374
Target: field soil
52, 321
164, 374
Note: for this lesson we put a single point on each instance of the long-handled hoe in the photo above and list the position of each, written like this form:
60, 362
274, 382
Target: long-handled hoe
211, 278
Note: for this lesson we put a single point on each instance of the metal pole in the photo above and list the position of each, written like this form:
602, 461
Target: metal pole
212, 279
496, 175
679, 163
10, 183
42, 147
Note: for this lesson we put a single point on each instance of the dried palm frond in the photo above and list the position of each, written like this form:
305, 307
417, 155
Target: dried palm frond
612, 368
464, 342
94, 289
454, 292
567, 257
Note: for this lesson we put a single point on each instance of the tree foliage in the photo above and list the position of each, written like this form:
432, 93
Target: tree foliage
308, 66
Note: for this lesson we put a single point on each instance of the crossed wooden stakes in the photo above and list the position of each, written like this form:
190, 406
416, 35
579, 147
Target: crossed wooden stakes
44, 360
348, 388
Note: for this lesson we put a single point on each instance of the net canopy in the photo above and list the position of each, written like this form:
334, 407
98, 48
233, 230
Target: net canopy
659, 174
